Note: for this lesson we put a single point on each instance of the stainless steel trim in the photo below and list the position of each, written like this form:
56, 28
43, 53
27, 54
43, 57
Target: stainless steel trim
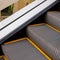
24, 20
21, 12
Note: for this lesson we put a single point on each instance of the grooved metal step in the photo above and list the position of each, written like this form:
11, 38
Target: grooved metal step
47, 38
23, 49
53, 18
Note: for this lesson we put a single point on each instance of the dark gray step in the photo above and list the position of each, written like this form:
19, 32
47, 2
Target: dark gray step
47, 38
53, 18
22, 50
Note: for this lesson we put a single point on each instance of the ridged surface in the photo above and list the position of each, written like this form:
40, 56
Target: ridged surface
47, 38
53, 18
22, 50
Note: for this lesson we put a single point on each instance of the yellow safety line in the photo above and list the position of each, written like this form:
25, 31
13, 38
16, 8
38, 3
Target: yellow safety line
14, 41
37, 24
47, 25
53, 28
1, 56
40, 50
32, 44
5, 58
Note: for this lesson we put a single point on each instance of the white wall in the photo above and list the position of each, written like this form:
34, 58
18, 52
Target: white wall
6, 3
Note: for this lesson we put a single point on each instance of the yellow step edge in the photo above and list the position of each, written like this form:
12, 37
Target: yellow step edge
40, 50
14, 41
47, 25
53, 28
37, 24
3, 57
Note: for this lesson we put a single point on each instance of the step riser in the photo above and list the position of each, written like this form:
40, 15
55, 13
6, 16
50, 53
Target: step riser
53, 18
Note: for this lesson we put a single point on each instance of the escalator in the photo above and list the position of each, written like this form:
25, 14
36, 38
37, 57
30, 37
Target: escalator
36, 37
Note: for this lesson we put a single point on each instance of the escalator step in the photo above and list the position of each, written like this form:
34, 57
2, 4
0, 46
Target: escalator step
23, 49
53, 18
46, 38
